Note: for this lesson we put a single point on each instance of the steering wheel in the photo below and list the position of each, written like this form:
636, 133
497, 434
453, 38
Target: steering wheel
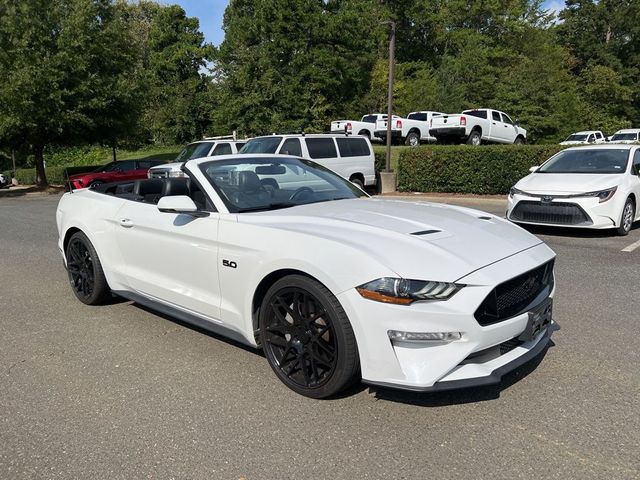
300, 191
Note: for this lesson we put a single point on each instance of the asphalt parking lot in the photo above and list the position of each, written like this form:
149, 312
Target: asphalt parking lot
118, 391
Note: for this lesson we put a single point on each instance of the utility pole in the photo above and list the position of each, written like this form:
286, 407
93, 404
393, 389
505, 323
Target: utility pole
392, 51
13, 158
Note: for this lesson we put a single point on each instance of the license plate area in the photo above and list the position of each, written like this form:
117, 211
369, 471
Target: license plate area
539, 320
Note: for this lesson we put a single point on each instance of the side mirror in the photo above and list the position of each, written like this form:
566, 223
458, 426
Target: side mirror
180, 204
533, 169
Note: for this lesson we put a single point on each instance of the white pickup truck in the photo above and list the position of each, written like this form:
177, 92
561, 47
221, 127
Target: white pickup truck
365, 127
411, 130
477, 126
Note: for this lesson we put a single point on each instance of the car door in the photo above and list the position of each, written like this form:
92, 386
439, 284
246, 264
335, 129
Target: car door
124, 170
171, 258
496, 133
635, 179
510, 132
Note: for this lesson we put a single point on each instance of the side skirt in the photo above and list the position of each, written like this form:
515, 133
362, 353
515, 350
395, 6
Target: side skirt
186, 317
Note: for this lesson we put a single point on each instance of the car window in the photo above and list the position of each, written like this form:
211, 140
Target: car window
496, 116
576, 138
353, 147
291, 146
476, 113
222, 149
506, 119
252, 184
261, 145
418, 116
194, 150
239, 145
122, 166
369, 118
599, 134
321, 148
636, 162
591, 138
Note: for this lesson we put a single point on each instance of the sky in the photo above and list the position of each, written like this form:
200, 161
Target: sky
210, 13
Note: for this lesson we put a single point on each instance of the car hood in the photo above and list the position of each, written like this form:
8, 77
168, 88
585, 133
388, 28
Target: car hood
417, 240
567, 183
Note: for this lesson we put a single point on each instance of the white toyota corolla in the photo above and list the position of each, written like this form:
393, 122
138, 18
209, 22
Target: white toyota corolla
282, 254
586, 187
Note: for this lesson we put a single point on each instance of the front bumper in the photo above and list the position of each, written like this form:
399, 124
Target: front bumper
472, 360
590, 213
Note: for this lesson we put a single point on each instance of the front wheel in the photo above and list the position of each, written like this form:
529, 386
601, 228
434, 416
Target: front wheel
85, 271
519, 141
626, 220
307, 337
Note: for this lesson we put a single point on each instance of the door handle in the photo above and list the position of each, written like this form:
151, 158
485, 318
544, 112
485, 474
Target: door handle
494, 123
126, 223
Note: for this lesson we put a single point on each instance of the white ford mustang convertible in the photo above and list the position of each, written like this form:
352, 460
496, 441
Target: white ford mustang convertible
282, 254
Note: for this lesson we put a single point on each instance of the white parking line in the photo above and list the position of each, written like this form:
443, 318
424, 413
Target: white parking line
631, 247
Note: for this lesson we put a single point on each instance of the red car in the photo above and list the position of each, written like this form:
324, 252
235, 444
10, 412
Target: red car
114, 172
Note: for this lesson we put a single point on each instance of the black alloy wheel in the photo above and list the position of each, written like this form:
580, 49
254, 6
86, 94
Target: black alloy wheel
307, 338
85, 271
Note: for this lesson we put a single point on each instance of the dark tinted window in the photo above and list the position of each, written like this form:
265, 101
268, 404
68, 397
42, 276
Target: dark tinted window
222, 149
321, 148
369, 118
636, 162
624, 136
194, 150
476, 113
239, 145
291, 146
124, 166
506, 119
261, 145
353, 147
145, 164
418, 116
496, 116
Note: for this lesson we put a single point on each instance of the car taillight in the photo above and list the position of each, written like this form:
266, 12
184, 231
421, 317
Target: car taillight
349, 127
398, 123
463, 121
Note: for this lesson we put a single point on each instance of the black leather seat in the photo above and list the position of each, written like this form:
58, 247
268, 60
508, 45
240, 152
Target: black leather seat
149, 191
175, 186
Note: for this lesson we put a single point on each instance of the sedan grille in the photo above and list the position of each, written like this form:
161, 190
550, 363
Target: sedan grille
556, 213
516, 296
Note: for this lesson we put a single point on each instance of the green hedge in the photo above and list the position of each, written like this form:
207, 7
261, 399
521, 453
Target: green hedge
489, 169
27, 176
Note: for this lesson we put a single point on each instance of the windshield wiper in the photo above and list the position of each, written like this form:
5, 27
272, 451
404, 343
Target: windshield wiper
271, 206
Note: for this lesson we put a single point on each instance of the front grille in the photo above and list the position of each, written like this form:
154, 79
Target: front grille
556, 213
159, 173
516, 296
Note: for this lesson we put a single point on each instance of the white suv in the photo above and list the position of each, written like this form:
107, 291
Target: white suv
349, 156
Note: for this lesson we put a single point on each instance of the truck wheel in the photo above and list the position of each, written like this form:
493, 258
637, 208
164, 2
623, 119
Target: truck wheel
365, 133
474, 138
519, 141
413, 139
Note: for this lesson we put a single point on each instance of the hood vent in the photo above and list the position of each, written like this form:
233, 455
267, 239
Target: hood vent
425, 232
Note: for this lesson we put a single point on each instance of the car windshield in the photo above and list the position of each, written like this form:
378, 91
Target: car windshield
587, 161
194, 150
625, 136
261, 145
255, 184
577, 138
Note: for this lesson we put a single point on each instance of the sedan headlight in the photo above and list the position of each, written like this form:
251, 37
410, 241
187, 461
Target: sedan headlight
404, 292
514, 191
603, 195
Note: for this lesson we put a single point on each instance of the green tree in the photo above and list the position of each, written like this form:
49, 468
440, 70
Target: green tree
64, 68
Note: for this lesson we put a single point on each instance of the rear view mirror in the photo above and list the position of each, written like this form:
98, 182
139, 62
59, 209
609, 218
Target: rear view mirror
271, 170
533, 169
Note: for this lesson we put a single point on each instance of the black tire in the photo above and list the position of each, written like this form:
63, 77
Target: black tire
519, 140
307, 337
412, 139
358, 182
365, 133
85, 271
626, 218
475, 138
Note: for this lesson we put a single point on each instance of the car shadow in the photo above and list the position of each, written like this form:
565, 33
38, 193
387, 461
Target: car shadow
461, 396
22, 191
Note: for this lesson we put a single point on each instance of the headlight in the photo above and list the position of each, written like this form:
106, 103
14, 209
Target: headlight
404, 292
603, 195
177, 174
514, 191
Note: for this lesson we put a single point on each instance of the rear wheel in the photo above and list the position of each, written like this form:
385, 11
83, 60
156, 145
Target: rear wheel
413, 139
626, 220
365, 133
307, 337
474, 138
85, 271
358, 182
